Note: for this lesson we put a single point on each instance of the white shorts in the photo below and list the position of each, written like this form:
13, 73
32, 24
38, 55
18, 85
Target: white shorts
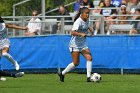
4, 43
73, 49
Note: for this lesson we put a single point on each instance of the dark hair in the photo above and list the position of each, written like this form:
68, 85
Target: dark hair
62, 6
81, 11
1, 20
138, 9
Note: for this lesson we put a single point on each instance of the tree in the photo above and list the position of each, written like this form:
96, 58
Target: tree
6, 9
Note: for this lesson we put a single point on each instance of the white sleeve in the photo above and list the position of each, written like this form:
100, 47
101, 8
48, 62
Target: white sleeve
38, 25
89, 23
76, 26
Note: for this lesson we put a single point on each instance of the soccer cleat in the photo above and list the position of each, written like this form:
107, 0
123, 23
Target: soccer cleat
17, 66
88, 79
61, 77
20, 74
2, 79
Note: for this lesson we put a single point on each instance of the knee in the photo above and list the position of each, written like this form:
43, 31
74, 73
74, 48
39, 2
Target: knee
4, 54
89, 58
76, 63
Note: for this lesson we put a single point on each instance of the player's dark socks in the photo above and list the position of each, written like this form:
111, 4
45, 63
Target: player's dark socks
61, 77
88, 79
3, 73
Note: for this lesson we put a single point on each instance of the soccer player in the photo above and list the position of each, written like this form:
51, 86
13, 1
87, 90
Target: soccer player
77, 43
5, 43
7, 74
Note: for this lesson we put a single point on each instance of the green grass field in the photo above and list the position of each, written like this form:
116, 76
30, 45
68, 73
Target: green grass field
74, 83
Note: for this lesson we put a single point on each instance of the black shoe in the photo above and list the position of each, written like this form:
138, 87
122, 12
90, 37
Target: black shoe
61, 77
88, 79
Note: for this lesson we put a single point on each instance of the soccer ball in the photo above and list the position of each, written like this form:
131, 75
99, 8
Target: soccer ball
95, 77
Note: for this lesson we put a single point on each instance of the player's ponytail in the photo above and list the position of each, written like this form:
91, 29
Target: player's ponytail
77, 15
81, 11
1, 20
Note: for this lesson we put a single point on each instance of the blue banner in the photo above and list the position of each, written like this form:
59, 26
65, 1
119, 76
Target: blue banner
53, 52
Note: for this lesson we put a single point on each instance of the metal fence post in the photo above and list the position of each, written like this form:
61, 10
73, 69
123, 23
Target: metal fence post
62, 26
21, 33
102, 25
43, 13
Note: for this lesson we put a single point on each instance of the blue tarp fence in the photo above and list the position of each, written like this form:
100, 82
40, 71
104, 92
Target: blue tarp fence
52, 52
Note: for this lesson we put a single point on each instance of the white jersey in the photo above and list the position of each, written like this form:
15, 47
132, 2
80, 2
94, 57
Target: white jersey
82, 27
34, 24
3, 32
4, 41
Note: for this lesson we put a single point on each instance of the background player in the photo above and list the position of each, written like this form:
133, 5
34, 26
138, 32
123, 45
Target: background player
5, 43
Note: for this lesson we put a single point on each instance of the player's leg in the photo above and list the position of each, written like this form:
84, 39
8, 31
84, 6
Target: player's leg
7, 74
2, 78
3, 73
86, 53
9, 57
75, 56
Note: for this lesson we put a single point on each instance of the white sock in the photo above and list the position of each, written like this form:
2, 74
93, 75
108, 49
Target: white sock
108, 33
10, 58
68, 68
95, 32
89, 68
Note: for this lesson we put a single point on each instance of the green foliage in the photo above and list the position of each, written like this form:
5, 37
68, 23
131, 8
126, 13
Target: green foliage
3, 9
70, 8
6, 6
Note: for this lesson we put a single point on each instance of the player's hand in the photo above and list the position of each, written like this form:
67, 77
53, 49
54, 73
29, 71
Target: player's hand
83, 34
24, 28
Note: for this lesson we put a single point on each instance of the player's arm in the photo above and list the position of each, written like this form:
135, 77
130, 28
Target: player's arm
91, 30
75, 27
15, 27
75, 33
